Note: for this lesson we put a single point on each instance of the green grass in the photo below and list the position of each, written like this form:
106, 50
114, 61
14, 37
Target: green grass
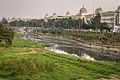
28, 60
112, 38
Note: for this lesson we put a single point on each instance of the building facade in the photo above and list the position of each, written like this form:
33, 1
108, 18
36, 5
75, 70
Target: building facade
111, 17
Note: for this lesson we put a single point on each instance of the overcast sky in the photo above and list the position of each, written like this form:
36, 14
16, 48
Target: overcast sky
38, 8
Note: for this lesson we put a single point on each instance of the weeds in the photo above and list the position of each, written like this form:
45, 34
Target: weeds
21, 66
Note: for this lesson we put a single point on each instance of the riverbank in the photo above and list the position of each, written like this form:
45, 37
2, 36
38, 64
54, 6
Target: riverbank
28, 60
88, 39
91, 46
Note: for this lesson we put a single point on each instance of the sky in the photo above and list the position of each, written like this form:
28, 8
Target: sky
38, 8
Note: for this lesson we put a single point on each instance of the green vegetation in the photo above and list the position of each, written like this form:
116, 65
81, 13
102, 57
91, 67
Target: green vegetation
6, 33
28, 60
88, 36
64, 23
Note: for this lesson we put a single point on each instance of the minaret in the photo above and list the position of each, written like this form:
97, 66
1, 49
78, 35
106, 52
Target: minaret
118, 16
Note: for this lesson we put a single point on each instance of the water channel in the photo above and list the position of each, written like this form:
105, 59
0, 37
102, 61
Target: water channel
69, 48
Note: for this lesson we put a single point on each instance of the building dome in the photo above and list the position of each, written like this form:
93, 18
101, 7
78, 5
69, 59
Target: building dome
54, 14
98, 10
118, 9
46, 15
67, 14
83, 11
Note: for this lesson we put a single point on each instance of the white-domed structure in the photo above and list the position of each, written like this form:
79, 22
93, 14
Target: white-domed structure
83, 11
118, 9
110, 17
46, 15
54, 14
98, 10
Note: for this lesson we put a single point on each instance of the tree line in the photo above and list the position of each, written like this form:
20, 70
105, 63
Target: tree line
64, 23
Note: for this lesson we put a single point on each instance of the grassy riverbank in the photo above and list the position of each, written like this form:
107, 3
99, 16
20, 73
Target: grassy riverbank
86, 36
28, 60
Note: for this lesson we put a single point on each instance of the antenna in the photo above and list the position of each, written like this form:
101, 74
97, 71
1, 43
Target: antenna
93, 8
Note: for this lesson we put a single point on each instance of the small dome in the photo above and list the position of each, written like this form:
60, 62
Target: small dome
54, 14
67, 14
83, 10
46, 15
98, 10
118, 9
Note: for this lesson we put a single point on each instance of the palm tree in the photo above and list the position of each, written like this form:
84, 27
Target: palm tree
79, 23
96, 24
103, 27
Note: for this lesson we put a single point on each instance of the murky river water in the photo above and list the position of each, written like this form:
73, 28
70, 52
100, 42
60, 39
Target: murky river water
66, 47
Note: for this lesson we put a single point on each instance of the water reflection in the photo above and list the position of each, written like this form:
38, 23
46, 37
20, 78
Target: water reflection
56, 50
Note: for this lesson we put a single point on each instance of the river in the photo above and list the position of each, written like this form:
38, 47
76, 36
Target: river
69, 48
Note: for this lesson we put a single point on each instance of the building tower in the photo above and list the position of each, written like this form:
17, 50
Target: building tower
118, 16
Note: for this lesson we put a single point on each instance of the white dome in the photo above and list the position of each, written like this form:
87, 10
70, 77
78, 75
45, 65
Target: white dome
54, 14
98, 10
83, 10
118, 9
46, 15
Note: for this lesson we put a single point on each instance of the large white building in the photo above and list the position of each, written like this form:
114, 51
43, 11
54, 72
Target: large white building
111, 17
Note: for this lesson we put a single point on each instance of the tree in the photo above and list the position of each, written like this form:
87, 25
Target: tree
71, 23
64, 23
84, 25
4, 21
96, 24
6, 34
79, 23
103, 27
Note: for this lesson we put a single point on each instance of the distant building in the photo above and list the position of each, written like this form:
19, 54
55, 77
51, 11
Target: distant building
111, 17
55, 16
